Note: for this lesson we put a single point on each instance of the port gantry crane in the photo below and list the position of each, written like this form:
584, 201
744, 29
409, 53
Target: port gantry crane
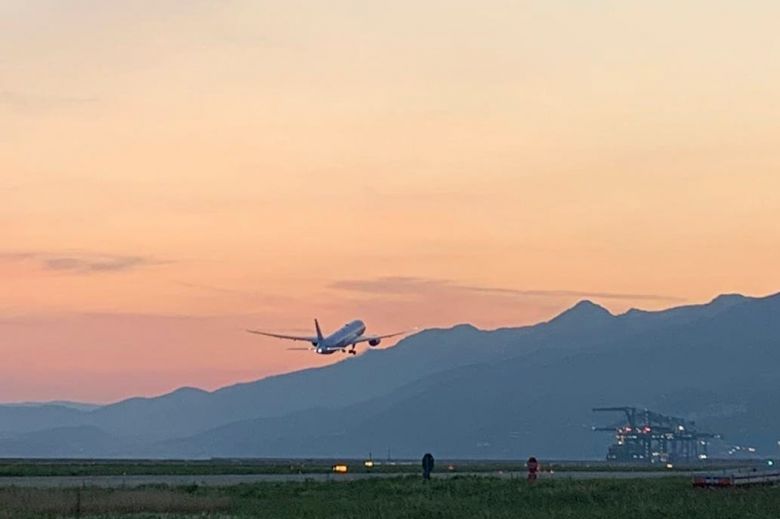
651, 437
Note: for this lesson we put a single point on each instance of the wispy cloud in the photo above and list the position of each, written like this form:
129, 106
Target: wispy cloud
35, 101
574, 293
391, 285
80, 262
413, 285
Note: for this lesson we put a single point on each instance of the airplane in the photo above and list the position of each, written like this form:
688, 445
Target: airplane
343, 340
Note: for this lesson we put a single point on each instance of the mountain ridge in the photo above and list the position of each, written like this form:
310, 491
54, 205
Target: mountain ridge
546, 358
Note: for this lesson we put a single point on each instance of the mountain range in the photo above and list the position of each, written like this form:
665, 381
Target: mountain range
458, 392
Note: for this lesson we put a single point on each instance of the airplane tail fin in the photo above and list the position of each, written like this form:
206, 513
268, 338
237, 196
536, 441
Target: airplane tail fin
319, 332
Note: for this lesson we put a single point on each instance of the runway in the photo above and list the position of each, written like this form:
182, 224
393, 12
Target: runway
223, 480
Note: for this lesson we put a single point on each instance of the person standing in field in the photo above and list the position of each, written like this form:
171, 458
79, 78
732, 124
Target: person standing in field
533, 468
427, 465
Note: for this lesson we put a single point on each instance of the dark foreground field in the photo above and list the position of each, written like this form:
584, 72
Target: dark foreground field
465, 497
102, 467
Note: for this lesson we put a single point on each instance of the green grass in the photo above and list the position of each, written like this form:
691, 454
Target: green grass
403, 497
28, 468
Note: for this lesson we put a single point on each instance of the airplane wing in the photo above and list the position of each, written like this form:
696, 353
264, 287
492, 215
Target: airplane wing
366, 338
288, 337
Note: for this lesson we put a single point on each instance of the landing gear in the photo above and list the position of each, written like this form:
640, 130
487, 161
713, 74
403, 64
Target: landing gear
353, 352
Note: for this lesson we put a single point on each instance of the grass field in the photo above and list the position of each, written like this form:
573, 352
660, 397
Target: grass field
402, 497
27, 467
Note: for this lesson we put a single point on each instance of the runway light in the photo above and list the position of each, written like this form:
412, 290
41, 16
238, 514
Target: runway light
770, 463
368, 464
340, 468
669, 466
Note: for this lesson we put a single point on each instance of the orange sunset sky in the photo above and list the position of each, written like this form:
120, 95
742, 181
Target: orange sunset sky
174, 172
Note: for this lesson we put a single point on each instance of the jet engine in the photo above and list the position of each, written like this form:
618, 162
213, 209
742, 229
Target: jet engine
374, 342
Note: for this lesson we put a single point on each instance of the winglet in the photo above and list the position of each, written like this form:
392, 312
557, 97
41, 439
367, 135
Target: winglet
319, 332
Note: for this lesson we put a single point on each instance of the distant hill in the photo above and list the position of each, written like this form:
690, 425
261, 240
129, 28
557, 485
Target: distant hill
188, 410
461, 392
78, 406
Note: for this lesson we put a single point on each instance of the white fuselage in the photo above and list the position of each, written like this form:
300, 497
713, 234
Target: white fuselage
341, 338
